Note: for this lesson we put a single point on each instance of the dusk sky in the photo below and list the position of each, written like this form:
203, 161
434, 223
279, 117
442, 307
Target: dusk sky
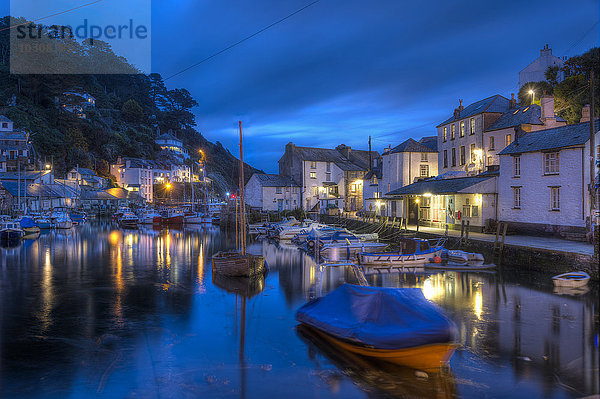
340, 71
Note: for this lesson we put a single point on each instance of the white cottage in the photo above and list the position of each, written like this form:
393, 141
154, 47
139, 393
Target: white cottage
544, 180
272, 193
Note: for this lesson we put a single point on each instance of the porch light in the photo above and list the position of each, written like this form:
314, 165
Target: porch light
427, 195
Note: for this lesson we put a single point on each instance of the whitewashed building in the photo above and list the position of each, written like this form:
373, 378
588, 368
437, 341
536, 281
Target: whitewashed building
544, 179
135, 175
85, 177
268, 192
14, 146
169, 142
329, 179
535, 72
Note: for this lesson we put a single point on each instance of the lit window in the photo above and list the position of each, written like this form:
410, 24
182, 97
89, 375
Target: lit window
517, 166
551, 163
315, 191
555, 198
423, 157
353, 188
472, 126
517, 197
313, 175
473, 156
445, 133
462, 129
424, 170
490, 160
453, 132
508, 139
313, 165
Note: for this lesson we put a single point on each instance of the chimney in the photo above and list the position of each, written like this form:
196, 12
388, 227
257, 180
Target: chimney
513, 102
344, 150
289, 147
458, 110
546, 50
547, 102
460, 106
585, 113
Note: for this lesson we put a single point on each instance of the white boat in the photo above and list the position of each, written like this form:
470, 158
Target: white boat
571, 279
348, 250
150, 216
11, 231
43, 222
128, 220
197, 218
287, 233
463, 257
61, 221
413, 252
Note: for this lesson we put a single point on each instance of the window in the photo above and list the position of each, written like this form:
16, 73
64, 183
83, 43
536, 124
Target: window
491, 146
475, 211
313, 165
517, 166
555, 198
4, 125
473, 156
328, 167
462, 129
490, 160
278, 190
74, 175
516, 197
454, 157
508, 139
315, 191
551, 163
374, 179
327, 176
313, 175
472, 131
445, 133
353, 188
453, 133
462, 155
424, 170
423, 157
445, 158
466, 212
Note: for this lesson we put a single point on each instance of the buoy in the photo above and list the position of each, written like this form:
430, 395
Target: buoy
437, 259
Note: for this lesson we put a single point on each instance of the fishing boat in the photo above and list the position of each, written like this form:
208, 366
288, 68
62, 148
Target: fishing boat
150, 216
239, 263
61, 221
128, 220
463, 257
571, 280
11, 231
413, 252
396, 325
120, 211
172, 217
28, 225
197, 218
78, 216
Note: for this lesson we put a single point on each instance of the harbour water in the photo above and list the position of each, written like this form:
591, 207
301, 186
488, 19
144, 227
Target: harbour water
97, 311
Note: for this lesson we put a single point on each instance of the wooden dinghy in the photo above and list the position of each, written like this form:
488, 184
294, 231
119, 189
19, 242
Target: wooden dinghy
571, 279
236, 264
414, 252
462, 257
460, 266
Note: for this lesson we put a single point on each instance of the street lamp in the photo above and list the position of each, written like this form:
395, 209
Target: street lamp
532, 96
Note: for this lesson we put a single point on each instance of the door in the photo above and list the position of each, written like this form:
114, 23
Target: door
279, 205
413, 211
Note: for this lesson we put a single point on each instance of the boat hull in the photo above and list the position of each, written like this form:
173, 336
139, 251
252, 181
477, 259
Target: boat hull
172, 220
11, 235
396, 259
426, 357
63, 224
234, 264
31, 230
571, 280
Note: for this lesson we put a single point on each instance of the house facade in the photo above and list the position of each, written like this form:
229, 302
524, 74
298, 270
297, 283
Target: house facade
135, 175
169, 142
268, 192
14, 147
85, 177
544, 180
329, 179
536, 71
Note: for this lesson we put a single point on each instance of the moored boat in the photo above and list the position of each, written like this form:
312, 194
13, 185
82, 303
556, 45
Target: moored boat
236, 264
150, 216
43, 223
396, 325
61, 221
571, 280
348, 250
172, 217
413, 252
11, 231
463, 257
28, 225
128, 220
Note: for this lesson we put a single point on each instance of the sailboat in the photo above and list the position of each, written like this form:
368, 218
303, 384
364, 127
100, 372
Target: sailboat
239, 263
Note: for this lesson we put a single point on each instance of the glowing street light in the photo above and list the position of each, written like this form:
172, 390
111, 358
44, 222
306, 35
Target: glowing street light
532, 96
168, 186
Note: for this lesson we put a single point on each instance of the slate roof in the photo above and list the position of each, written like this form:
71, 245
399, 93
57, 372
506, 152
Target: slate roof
34, 190
529, 115
4, 119
121, 193
549, 139
268, 180
445, 186
495, 103
358, 160
89, 195
411, 145
430, 141
24, 175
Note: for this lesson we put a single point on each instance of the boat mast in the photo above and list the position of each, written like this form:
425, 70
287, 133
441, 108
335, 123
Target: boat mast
242, 197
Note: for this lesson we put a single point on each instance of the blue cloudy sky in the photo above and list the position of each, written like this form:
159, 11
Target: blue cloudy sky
342, 70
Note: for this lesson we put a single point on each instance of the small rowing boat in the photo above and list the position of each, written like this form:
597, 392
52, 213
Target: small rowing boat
413, 252
462, 257
571, 279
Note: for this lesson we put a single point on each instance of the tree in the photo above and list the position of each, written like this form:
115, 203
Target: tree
538, 88
132, 111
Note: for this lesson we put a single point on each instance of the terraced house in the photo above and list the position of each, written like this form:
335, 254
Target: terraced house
329, 179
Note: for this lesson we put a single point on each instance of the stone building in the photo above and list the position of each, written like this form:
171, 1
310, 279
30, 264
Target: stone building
268, 192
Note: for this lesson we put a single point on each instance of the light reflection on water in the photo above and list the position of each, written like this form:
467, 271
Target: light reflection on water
98, 311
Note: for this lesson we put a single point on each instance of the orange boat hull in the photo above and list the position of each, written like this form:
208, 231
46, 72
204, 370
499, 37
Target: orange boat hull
426, 357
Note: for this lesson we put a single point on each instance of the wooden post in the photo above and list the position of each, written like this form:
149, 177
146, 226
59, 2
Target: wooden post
467, 231
462, 230
503, 236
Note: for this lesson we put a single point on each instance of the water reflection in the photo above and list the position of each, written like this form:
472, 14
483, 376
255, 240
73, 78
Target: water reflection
100, 311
